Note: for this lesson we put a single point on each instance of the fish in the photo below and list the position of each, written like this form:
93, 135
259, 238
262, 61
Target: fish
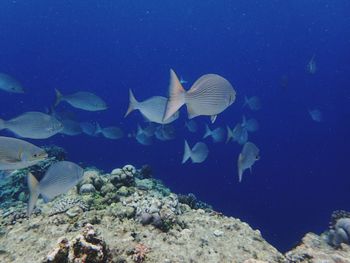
89, 128
33, 125
113, 133
246, 159
18, 154
217, 134
198, 154
210, 95
165, 132
191, 125
311, 65
238, 134
82, 100
254, 103
58, 179
251, 125
9, 84
316, 115
71, 128
152, 109
142, 138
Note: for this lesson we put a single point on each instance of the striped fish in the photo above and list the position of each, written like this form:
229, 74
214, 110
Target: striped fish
58, 179
210, 95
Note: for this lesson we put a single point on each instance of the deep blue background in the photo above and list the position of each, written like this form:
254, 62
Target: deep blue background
110, 46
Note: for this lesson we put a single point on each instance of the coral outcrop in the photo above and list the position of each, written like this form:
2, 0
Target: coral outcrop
128, 216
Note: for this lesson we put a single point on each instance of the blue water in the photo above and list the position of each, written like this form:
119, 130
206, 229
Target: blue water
107, 47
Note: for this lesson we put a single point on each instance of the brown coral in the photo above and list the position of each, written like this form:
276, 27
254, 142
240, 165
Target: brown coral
140, 252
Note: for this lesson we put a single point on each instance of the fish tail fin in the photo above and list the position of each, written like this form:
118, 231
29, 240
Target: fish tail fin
59, 97
187, 152
229, 134
132, 103
98, 128
240, 169
207, 131
245, 101
2, 124
33, 185
176, 96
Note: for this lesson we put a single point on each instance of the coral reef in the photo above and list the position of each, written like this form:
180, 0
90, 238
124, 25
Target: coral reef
128, 216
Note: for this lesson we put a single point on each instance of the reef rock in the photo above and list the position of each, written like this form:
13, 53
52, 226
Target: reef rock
314, 248
139, 218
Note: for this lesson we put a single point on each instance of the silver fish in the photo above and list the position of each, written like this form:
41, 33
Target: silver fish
191, 126
82, 100
198, 154
58, 179
311, 65
254, 103
70, 127
251, 125
247, 158
113, 133
165, 132
33, 125
217, 134
152, 109
142, 137
210, 95
316, 115
9, 84
89, 128
238, 134
19, 154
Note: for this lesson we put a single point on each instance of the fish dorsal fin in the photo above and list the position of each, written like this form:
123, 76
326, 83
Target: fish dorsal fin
176, 96
191, 112
213, 118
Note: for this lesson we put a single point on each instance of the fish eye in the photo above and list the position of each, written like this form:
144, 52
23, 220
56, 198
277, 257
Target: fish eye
35, 155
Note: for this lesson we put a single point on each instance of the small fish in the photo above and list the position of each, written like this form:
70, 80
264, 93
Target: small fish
198, 154
152, 109
33, 125
217, 134
59, 178
165, 132
142, 137
210, 95
238, 134
19, 154
191, 126
247, 158
9, 84
253, 103
89, 128
82, 100
316, 115
251, 125
70, 127
113, 133
311, 65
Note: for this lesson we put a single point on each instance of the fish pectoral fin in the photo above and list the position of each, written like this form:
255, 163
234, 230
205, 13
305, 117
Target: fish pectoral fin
11, 160
213, 118
46, 198
251, 169
190, 111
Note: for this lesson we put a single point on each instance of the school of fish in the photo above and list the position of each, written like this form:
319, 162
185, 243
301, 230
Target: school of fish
210, 95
